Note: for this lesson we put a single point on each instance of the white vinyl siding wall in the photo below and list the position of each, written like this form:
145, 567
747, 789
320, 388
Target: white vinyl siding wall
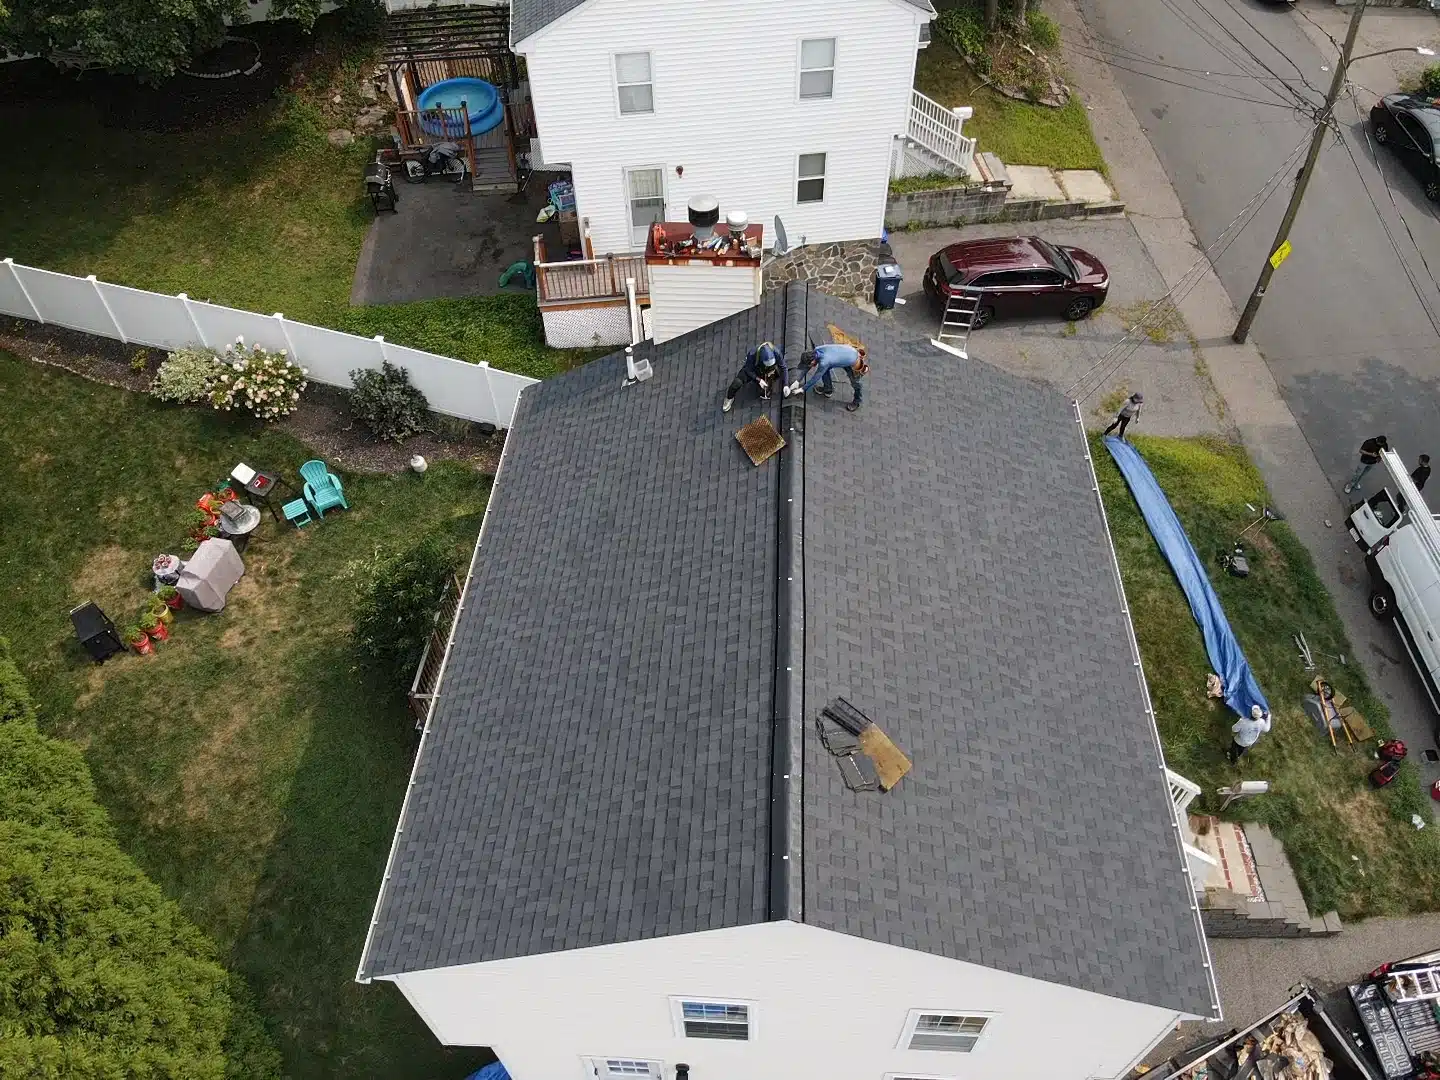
821, 1004
727, 109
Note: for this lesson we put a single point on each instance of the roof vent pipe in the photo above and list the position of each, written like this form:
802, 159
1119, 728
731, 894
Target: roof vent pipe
737, 221
704, 213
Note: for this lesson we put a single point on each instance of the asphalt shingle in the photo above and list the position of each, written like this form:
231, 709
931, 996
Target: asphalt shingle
600, 764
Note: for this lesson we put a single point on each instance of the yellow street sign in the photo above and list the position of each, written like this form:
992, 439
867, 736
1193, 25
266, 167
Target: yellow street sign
1281, 254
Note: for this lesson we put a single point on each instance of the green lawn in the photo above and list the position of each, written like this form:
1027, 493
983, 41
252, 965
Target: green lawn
1017, 132
249, 770
1353, 849
262, 214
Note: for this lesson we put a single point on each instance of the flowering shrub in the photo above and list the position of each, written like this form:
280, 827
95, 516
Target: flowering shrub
184, 376
254, 378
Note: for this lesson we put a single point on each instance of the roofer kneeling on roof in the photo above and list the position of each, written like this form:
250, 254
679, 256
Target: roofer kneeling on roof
764, 366
826, 359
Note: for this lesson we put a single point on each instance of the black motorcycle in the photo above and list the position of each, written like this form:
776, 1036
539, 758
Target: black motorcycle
439, 159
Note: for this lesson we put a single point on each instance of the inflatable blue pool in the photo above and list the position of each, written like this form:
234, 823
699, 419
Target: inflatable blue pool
480, 99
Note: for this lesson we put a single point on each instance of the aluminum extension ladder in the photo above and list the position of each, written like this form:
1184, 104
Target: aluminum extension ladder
958, 320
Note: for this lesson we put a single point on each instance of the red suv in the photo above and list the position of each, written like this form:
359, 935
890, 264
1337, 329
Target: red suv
1019, 275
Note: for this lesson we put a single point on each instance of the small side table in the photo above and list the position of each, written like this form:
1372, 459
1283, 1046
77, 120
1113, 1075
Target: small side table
263, 484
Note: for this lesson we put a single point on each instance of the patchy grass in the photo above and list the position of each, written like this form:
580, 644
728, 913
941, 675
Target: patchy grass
1018, 132
1162, 322
1353, 849
249, 770
928, 182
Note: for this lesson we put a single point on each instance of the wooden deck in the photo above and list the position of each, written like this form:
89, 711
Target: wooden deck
584, 281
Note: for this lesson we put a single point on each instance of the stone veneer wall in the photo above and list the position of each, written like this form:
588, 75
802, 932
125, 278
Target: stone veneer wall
846, 269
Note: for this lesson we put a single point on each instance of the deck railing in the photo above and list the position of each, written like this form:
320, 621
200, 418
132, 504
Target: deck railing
938, 130
1182, 792
424, 689
579, 280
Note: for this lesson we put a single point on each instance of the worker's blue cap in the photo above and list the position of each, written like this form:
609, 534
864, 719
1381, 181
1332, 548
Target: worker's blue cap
766, 353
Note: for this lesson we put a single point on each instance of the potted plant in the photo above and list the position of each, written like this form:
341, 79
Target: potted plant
189, 544
138, 640
153, 627
171, 597
211, 531
161, 611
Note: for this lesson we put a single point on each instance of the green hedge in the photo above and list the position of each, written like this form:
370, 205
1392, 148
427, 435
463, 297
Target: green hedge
100, 975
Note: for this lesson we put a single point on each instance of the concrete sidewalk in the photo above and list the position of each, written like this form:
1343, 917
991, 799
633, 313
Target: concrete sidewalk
1272, 437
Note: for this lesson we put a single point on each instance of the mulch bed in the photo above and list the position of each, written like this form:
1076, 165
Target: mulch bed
322, 421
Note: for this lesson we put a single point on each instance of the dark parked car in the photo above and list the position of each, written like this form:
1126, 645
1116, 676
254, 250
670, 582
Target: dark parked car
1410, 126
1019, 275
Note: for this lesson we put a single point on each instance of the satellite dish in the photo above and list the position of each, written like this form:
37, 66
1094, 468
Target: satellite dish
782, 242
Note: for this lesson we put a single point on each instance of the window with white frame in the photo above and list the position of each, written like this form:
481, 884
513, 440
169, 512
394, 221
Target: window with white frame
953, 1032
817, 68
714, 1019
810, 183
634, 83
646, 189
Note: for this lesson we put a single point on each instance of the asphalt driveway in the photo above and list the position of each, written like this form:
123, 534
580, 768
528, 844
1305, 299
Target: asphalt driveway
1179, 398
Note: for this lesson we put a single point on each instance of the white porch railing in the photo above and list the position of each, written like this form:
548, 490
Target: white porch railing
938, 130
1182, 792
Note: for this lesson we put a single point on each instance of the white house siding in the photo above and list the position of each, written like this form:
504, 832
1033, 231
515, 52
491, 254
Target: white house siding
824, 1005
685, 298
727, 108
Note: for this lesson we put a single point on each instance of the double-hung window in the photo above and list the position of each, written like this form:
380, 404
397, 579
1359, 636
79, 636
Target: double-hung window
954, 1032
817, 68
634, 83
810, 182
714, 1019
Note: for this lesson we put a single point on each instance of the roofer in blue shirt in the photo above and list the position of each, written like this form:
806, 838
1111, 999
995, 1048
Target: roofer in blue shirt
826, 358
765, 367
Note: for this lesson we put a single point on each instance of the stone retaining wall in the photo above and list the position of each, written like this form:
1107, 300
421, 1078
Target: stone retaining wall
942, 207
845, 270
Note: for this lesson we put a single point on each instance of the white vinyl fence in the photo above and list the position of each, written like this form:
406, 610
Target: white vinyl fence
470, 391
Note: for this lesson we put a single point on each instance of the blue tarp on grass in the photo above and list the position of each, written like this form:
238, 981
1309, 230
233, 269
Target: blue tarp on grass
1241, 689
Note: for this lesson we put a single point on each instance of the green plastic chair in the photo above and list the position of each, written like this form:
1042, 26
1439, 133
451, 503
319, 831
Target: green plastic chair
322, 487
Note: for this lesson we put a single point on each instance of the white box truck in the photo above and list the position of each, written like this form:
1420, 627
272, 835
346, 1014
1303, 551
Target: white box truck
1401, 541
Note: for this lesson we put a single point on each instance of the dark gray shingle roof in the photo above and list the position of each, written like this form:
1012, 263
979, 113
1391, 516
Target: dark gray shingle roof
958, 590
529, 16
599, 766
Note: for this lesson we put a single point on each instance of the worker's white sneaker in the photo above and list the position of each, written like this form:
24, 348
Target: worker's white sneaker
730, 403
1348, 487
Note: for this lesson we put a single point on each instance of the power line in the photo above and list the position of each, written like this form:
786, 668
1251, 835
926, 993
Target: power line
1298, 97
1188, 20
1279, 51
1187, 86
1121, 352
1134, 56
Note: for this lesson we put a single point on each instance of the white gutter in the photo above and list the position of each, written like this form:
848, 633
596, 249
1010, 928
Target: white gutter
360, 975
1177, 830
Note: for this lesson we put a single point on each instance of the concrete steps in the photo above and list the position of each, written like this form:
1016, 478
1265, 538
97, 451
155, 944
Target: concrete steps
1253, 891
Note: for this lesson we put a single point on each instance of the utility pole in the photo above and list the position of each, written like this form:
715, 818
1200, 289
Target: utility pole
1322, 124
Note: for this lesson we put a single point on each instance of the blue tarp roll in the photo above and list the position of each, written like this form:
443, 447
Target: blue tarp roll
493, 1071
1241, 690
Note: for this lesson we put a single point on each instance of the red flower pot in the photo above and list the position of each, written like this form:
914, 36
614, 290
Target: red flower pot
142, 646
176, 602
160, 633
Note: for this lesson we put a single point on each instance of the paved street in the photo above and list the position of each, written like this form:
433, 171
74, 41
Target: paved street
1351, 345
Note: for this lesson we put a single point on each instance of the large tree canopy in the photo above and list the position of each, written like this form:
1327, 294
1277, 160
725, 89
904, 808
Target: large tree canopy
148, 38
100, 975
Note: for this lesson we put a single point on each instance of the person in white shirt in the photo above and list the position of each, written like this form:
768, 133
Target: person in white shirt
1248, 730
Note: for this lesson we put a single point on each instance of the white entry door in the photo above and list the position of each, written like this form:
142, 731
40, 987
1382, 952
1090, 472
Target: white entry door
623, 1069
646, 191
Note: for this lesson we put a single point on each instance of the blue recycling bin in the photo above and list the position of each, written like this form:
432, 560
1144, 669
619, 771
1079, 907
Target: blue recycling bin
887, 285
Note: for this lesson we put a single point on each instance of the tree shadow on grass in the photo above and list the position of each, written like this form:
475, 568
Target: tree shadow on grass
301, 945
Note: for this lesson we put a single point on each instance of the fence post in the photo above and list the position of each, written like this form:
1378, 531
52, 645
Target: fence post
285, 333
484, 366
194, 322
15, 275
119, 330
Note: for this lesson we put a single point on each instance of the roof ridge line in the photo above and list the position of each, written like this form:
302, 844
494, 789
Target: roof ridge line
786, 882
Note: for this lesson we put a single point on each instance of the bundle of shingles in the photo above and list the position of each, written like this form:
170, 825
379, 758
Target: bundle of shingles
867, 758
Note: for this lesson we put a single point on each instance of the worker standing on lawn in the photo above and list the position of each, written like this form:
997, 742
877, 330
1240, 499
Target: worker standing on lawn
826, 359
764, 366
1129, 411
1247, 731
